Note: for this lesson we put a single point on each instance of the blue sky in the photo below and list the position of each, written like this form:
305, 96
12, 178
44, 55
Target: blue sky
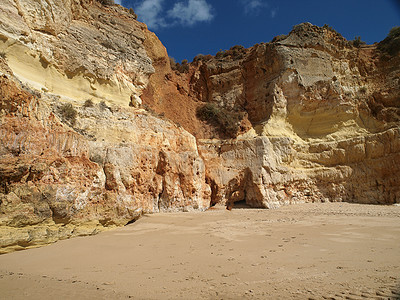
191, 27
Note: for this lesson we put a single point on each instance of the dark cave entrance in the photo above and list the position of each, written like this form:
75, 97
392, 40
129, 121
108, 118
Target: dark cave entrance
241, 204
214, 191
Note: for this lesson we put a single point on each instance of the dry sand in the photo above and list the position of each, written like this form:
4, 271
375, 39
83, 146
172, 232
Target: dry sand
308, 251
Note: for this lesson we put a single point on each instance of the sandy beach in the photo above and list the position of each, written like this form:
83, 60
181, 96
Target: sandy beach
307, 251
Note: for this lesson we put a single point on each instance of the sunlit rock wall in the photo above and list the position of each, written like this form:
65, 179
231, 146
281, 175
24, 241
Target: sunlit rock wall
325, 122
75, 159
76, 49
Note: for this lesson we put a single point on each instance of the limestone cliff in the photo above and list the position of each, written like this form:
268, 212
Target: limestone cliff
325, 119
76, 49
74, 157
307, 117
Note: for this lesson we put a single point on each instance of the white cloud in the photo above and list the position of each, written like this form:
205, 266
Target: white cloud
118, 2
191, 12
253, 6
149, 12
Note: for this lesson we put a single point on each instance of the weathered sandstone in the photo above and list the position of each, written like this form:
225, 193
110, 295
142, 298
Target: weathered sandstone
69, 170
325, 122
107, 170
76, 49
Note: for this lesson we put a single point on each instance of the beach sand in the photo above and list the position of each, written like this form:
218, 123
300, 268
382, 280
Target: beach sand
305, 251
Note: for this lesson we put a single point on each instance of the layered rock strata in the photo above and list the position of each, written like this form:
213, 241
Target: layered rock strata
325, 122
111, 166
76, 49
71, 165
321, 120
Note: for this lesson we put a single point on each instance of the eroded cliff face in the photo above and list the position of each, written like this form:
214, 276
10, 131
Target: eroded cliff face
318, 120
70, 166
77, 49
112, 166
325, 122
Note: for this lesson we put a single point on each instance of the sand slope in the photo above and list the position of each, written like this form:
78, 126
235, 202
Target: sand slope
305, 251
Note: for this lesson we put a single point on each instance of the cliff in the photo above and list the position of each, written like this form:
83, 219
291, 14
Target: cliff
324, 121
306, 117
76, 49
74, 157
96, 128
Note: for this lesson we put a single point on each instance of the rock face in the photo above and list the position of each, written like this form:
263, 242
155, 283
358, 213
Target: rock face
112, 166
77, 49
69, 166
325, 122
317, 120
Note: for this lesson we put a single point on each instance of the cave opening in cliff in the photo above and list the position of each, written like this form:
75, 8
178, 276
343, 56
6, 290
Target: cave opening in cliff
214, 191
241, 204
